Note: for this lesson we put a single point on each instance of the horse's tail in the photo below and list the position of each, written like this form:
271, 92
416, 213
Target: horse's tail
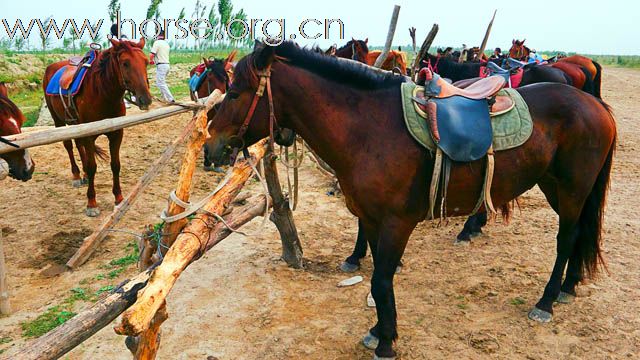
588, 83
101, 153
589, 246
597, 81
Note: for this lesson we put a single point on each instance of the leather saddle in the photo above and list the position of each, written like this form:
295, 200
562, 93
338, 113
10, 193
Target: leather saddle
459, 119
72, 69
68, 79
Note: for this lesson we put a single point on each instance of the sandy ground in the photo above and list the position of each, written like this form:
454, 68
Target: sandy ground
241, 302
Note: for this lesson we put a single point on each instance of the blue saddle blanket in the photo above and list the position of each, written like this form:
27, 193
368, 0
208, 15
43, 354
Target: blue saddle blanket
55, 88
196, 80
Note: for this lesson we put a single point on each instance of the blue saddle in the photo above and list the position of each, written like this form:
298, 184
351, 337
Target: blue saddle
196, 80
68, 79
494, 69
464, 127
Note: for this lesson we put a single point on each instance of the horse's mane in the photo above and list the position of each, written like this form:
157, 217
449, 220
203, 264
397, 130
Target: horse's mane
350, 42
9, 110
329, 67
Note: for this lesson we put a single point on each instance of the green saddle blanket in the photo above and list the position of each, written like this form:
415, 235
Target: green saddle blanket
510, 129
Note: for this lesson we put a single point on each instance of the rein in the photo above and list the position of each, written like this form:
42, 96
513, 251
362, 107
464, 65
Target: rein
5, 141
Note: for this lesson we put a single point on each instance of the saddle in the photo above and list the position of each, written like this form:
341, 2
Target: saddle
68, 79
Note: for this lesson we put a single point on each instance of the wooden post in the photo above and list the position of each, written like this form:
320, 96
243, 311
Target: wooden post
5, 304
50, 136
183, 186
486, 35
197, 125
424, 49
72, 333
412, 33
392, 30
187, 247
282, 215
147, 344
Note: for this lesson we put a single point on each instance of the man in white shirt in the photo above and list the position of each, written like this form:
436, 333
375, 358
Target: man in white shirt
160, 57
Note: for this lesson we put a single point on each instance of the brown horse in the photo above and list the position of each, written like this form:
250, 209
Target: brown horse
121, 68
594, 69
352, 117
396, 60
219, 76
21, 166
518, 51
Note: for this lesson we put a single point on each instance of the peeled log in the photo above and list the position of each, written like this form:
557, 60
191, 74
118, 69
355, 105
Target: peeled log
72, 333
187, 246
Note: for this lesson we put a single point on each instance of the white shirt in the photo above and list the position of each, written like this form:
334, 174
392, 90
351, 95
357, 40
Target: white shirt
161, 50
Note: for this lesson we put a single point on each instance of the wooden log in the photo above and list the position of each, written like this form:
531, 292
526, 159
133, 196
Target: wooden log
483, 46
424, 49
5, 303
183, 186
412, 33
187, 246
72, 333
91, 242
390, 33
149, 342
50, 136
282, 215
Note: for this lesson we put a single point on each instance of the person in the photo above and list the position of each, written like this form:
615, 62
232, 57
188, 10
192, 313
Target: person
534, 57
497, 54
160, 57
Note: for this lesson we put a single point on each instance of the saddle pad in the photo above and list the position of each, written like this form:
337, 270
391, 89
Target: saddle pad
55, 86
196, 80
510, 129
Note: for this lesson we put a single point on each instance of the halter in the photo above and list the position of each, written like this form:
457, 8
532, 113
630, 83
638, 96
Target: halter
265, 84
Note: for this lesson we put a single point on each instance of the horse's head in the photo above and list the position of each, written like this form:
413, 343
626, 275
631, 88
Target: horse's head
518, 50
21, 165
360, 50
218, 74
243, 117
132, 68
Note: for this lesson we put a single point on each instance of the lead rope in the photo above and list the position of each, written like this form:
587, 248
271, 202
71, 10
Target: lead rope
284, 160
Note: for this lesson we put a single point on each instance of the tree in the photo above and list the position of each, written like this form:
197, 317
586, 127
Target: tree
213, 19
153, 12
44, 39
237, 29
113, 8
19, 43
225, 9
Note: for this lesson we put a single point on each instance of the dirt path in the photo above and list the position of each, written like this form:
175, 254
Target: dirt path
240, 302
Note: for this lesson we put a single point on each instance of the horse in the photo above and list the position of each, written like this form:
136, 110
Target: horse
121, 68
218, 77
453, 70
21, 166
355, 50
580, 76
352, 117
594, 69
518, 50
396, 60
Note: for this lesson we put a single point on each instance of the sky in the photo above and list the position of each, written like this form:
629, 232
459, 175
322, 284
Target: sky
586, 26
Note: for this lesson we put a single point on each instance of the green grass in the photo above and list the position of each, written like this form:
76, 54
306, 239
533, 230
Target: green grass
51, 319
29, 102
517, 301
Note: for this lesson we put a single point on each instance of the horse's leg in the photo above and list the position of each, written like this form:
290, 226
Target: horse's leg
472, 228
115, 140
570, 199
391, 242
352, 263
83, 160
75, 171
91, 168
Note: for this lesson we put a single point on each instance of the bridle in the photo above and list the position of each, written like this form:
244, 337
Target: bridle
265, 84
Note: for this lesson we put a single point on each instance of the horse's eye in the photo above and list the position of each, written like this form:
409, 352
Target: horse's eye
233, 95
125, 64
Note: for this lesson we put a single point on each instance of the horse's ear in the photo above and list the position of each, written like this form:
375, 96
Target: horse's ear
366, 41
3, 90
265, 57
205, 61
114, 42
140, 44
522, 43
258, 45
513, 42
231, 56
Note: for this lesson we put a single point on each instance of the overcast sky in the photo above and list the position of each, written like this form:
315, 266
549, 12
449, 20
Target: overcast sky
586, 26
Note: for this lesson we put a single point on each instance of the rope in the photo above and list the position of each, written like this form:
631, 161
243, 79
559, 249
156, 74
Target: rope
193, 106
284, 160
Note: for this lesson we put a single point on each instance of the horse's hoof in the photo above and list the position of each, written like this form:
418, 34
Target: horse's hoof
92, 212
370, 342
398, 269
215, 169
565, 298
348, 267
85, 181
76, 183
540, 315
376, 357
476, 234
459, 242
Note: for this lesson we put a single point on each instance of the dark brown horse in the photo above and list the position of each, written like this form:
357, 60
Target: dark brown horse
352, 117
592, 67
355, 50
218, 77
21, 166
121, 68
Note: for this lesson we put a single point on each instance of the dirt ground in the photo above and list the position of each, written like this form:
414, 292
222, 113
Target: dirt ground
241, 302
